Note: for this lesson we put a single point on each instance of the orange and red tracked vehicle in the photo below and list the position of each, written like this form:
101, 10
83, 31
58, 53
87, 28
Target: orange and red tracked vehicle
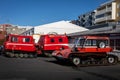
88, 50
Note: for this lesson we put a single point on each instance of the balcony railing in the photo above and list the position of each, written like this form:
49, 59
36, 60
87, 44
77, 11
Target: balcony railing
103, 19
104, 11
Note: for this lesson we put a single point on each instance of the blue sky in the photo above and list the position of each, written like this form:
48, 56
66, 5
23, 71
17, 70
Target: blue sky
38, 12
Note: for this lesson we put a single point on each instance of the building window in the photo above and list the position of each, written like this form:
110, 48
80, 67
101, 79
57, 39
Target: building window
0, 32
118, 14
118, 6
1, 26
99, 16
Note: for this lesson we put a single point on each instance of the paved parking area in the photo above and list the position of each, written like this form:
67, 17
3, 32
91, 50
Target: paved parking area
43, 68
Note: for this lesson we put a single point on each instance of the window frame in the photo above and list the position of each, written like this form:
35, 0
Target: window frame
52, 40
14, 39
26, 40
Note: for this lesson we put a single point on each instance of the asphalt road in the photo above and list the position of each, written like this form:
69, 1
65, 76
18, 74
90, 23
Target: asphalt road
49, 69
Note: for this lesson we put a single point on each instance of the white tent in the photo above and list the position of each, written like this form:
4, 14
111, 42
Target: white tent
60, 27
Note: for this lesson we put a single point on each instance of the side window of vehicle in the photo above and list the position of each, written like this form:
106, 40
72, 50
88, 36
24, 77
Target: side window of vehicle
52, 40
106, 42
91, 42
60, 40
26, 40
94, 43
88, 43
14, 39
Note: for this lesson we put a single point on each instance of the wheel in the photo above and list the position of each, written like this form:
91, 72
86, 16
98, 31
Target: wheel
112, 59
11, 55
7, 54
21, 55
35, 55
16, 55
31, 55
103, 61
76, 61
47, 54
25, 55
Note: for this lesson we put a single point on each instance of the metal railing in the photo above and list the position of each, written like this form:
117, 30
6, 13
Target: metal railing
104, 11
103, 18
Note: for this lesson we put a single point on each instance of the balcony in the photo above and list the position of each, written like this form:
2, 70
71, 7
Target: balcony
106, 18
104, 11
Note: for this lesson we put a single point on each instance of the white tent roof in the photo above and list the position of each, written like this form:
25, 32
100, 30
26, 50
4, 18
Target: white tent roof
60, 27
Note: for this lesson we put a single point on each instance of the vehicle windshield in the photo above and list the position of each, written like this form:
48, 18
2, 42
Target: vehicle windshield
79, 41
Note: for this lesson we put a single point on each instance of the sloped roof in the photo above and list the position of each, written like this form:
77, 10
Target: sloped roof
104, 30
60, 27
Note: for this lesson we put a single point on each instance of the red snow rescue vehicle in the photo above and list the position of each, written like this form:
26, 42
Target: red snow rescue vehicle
20, 46
51, 42
88, 50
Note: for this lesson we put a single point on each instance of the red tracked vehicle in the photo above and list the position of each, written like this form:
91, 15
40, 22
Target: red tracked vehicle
88, 50
51, 42
20, 46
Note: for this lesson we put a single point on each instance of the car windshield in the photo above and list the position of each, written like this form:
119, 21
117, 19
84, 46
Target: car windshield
79, 41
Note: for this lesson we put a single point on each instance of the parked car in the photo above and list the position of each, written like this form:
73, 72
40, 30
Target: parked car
1, 49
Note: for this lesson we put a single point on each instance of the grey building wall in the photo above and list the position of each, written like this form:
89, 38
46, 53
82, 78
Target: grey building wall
15, 30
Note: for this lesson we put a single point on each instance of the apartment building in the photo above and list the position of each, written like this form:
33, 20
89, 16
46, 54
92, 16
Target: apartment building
108, 12
15, 30
3, 32
85, 20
